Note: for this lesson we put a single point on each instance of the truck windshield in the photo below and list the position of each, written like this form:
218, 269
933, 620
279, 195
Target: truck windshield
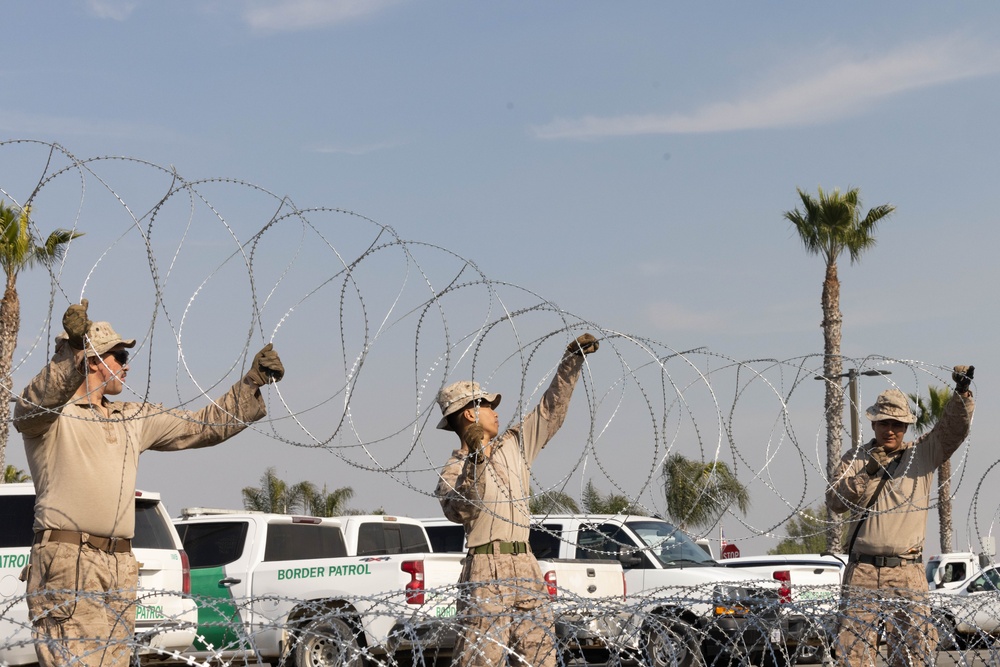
669, 545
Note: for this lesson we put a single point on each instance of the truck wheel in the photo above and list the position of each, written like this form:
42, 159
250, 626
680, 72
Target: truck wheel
671, 643
328, 642
948, 638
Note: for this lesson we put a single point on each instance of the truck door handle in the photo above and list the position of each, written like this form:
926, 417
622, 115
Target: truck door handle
228, 581
591, 573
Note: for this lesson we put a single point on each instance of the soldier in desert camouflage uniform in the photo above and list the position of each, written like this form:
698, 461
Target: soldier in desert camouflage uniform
485, 486
885, 579
83, 450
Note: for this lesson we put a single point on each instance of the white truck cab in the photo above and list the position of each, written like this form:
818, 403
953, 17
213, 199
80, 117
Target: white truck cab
166, 616
949, 570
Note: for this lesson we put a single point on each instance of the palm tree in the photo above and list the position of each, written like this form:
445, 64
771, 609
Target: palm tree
699, 493
552, 502
328, 503
828, 226
274, 495
595, 502
12, 475
19, 249
928, 414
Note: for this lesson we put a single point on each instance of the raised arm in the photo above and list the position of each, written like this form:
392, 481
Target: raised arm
42, 400
542, 423
242, 405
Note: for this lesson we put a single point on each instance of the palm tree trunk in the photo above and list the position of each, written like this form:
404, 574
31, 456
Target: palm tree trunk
944, 506
10, 324
834, 401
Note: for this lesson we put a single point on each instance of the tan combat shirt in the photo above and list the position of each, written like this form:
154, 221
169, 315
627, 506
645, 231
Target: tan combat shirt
897, 523
491, 499
84, 465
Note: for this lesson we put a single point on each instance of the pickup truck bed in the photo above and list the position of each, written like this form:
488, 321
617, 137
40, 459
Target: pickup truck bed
810, 595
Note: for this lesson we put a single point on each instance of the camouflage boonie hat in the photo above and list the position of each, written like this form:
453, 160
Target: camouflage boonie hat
457, 395
891, 404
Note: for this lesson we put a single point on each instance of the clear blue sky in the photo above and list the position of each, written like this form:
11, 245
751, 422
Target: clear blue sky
627, 162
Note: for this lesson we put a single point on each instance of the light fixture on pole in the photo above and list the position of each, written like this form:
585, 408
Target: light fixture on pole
852, 384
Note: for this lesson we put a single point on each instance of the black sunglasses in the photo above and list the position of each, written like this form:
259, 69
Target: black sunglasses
121, 356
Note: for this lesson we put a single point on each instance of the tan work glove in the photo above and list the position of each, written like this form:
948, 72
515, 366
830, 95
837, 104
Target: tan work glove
473, 439
76, 324
585, 344
266, 367
962, 375
877, 459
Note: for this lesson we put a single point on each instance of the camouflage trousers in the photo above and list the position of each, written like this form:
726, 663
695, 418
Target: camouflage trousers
889, 598
505, 613
81, 603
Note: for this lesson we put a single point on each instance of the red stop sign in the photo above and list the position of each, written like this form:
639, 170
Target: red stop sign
730, 551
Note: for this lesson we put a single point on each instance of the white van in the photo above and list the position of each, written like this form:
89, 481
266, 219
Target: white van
166, 616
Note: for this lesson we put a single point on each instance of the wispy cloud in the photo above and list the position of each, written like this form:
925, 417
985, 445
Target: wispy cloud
675, 317
117, 10
841, 89
364, 149
292, 15
34, 124
775, 318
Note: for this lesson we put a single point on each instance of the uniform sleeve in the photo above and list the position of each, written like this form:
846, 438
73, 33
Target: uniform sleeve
42, 400
951, 429
461, 488
850, 481
542, 423
173, 430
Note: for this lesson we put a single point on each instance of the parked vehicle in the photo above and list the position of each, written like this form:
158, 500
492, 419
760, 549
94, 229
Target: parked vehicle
684, 607
949, 570
968, 614
166, 616
321, 591
587, 595
809, 589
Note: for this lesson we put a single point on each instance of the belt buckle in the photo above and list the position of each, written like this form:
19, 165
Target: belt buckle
112, 545
880, 561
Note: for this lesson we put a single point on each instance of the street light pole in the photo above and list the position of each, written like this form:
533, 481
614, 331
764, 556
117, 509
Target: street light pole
852, 387
852, 383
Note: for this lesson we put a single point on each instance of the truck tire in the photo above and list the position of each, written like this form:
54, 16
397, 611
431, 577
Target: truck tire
948, 638
328, 642
670, 642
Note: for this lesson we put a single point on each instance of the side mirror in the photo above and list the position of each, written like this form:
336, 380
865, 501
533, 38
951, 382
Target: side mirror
938, 576
629, 560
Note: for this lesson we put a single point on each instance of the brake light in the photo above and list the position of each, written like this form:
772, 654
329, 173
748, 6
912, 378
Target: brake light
550, 584
307, 519
785, 589
414, 589
185, 573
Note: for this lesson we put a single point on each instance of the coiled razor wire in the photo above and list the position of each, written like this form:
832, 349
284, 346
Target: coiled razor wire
659, 628
208, 270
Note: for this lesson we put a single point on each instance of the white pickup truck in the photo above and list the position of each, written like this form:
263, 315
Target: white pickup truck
809, 590
683, 608
967, 614
949, 570
588, 596
165, 615
322, 591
